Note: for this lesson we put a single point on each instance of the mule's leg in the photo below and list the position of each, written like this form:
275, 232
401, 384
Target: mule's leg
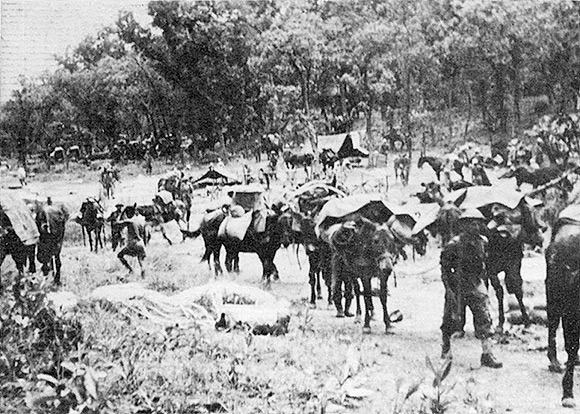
383, 298
570, 323
356, 288
312, 278
336, 284
514, 285
348, 293
89, 234
236, 263
553, 323
266, 271
495, 282
229, 260
164, 234
367, 294
216, 260
57, 266
31, 253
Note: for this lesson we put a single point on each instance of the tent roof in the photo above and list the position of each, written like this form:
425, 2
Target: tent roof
344, 145
214, 173
339, 143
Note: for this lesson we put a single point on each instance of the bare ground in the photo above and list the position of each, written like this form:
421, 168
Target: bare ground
315, 352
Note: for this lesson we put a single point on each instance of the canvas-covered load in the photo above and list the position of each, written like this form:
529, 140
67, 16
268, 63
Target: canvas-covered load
477, 197
572, 212
480, 196
370, 206
250, 197
20, 217
311, 196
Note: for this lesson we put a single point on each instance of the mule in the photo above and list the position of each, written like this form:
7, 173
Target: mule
509, 230
402, 166
362, 250
51, 221
318, 253
265, 244
328, 159
479, 176
438, 164
563, 299
10, 244
536, 178
92, 222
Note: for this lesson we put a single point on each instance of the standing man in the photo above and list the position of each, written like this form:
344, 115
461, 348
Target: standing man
116, 228
463, 273
135, 246
148, 163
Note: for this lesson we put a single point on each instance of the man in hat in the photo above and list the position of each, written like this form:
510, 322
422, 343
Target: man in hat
463, 273
116, 228
135, 246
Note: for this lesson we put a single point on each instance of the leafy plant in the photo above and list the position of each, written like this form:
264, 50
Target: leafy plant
438, 397
34, 338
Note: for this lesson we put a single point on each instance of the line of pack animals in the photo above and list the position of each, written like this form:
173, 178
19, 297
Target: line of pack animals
351, 239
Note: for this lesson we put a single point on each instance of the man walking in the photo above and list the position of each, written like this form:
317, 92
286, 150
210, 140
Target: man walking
135, 246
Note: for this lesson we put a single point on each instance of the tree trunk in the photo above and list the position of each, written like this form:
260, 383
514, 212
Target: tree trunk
469, 110
499, 96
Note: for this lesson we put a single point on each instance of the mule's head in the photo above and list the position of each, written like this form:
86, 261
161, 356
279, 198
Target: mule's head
520, 223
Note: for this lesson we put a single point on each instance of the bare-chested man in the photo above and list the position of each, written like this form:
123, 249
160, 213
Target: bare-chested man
135, 246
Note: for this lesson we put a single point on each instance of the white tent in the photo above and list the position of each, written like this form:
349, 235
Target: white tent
344, 145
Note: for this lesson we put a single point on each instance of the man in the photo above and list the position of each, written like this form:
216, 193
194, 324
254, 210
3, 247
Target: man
135, 246
21, 175
116, 228
148, 163
463, 273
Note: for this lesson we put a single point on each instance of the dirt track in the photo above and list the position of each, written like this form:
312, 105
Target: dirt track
524, 385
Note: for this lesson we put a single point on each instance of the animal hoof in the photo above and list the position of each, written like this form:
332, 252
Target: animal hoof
340, 314
568, 402
555, 367
366, 330
348, 314
357, 319
312, 305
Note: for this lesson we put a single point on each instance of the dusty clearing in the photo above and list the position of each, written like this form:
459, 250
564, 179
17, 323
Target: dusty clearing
300, 370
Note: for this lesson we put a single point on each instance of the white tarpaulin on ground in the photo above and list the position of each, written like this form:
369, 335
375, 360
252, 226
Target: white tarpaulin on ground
197, 306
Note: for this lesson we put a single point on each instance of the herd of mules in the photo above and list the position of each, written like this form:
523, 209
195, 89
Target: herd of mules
351, 239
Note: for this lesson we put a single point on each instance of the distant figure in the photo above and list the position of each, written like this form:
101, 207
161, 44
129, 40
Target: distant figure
21, 176
135, 246
247, 174
148, 163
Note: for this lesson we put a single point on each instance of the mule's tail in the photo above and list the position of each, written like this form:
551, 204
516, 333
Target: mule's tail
190, 234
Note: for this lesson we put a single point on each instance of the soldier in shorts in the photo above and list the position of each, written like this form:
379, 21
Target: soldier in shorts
463, 273
135, 246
